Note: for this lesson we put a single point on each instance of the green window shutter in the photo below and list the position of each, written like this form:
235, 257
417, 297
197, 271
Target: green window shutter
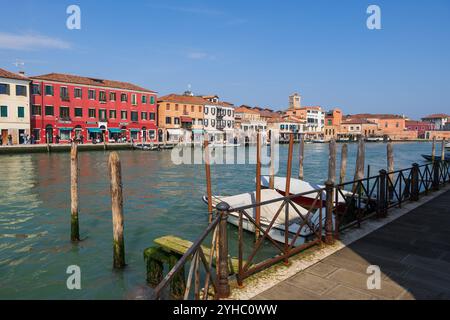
21, 112
4, 111
152, 99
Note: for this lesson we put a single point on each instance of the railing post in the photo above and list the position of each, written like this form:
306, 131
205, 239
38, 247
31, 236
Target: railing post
329, 188
382, 194
223, 287
415, 182
436, 166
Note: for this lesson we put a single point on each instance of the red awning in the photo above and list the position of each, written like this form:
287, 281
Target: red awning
186, 119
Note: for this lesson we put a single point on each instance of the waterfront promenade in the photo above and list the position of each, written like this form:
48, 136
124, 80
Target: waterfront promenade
413, 253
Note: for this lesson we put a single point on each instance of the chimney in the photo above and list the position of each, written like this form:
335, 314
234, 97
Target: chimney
22, 73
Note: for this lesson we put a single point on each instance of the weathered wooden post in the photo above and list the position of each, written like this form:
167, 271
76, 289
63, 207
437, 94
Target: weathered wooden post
443, 150
272, 161
223, 286
414, 182
382, 195
433, 150
359, 171
301, 158
208, 178
74, 224
329, 188
104, 140
390, 165
48, 142
436, 173
344, 154
287, 193
115, 172
258, 184
332, 161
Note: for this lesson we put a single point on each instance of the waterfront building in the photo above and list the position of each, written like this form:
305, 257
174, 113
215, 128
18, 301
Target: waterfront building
287, 125
439, 120
438, 134
181, 117
333, 120
420, 126
14, 108
66, 107
314, 117
353, 128
219, 118
248, 121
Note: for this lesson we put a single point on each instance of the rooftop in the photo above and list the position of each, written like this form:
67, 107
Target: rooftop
95, 82
437, 116
180, 98
10, 75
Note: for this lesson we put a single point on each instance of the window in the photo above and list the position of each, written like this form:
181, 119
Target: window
102, 115
91, 94
167, 106
123, 115
112, 96
78, 112
385, 125
102, 96
35, 89
168, 120
49, 90
151, 134
64, 134
206, 122
134, 116
229, 113
92, 113
152, 115
397, 124
199, 108
200, 121
3, 111
152, 100
21, 91
123, 97
77, 93
112, 114
206, 110
176, 107
134, 99
49, 111
213, 122
213, 112
4, 88
64, 93
64, 113
176, 121
36, 110
144, 115
144, 99
229, 124
37, 134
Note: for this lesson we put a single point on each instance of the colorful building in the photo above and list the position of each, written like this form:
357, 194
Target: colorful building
439, 120
66, 107
419, 126
14, 108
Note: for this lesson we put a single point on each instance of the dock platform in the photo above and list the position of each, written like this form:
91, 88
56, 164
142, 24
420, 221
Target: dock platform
413, 253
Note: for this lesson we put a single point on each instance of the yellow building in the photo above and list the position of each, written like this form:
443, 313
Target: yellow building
14, 108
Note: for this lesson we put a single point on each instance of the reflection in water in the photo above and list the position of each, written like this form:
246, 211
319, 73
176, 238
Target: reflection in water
160, 198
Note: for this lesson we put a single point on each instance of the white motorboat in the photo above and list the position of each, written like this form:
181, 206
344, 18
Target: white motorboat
374, 139
268, 212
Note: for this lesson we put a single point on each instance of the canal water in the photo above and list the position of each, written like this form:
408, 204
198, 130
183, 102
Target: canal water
160, 198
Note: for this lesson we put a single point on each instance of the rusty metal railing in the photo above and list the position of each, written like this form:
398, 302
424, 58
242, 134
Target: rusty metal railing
334, 207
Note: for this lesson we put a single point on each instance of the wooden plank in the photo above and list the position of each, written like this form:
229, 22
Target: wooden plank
180, 246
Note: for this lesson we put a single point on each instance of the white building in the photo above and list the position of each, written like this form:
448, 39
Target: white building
439, 120
14, 107
218, 119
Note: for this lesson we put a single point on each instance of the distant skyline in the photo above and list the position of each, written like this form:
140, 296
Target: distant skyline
248, 52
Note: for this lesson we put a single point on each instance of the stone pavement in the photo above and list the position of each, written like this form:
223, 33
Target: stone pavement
413, 253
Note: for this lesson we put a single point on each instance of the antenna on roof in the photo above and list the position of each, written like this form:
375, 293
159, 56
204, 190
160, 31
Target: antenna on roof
19, 64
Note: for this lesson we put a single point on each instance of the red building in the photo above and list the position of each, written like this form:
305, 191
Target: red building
73, 107
420, 126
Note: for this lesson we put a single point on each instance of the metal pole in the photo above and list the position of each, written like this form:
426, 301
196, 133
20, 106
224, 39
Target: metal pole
223, 286
382, 194
329, 188
258, 184
415, 182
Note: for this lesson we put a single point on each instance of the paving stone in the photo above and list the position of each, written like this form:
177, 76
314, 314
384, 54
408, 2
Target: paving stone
321, 269
344, 293
285, 291
312, 282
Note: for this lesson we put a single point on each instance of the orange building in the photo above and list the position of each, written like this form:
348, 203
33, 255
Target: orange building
333, 120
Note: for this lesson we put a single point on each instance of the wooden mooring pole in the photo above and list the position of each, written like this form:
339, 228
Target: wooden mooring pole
359, 170
433, 150
117, 210
272, 161
223, 286
287, 193
301, 157
258, 184
332, 161
344, 154
208, 177
390, 165
74, 223
443, 150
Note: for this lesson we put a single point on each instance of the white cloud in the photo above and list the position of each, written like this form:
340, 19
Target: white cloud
30, 41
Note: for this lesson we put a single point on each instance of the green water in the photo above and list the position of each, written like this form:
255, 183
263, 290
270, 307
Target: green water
160, 198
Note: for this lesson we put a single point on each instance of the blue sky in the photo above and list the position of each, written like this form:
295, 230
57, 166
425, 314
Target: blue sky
247, 52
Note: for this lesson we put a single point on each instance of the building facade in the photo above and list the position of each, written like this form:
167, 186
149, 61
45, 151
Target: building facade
14, 108
68, 107
181, 117
438, 120
420, 126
